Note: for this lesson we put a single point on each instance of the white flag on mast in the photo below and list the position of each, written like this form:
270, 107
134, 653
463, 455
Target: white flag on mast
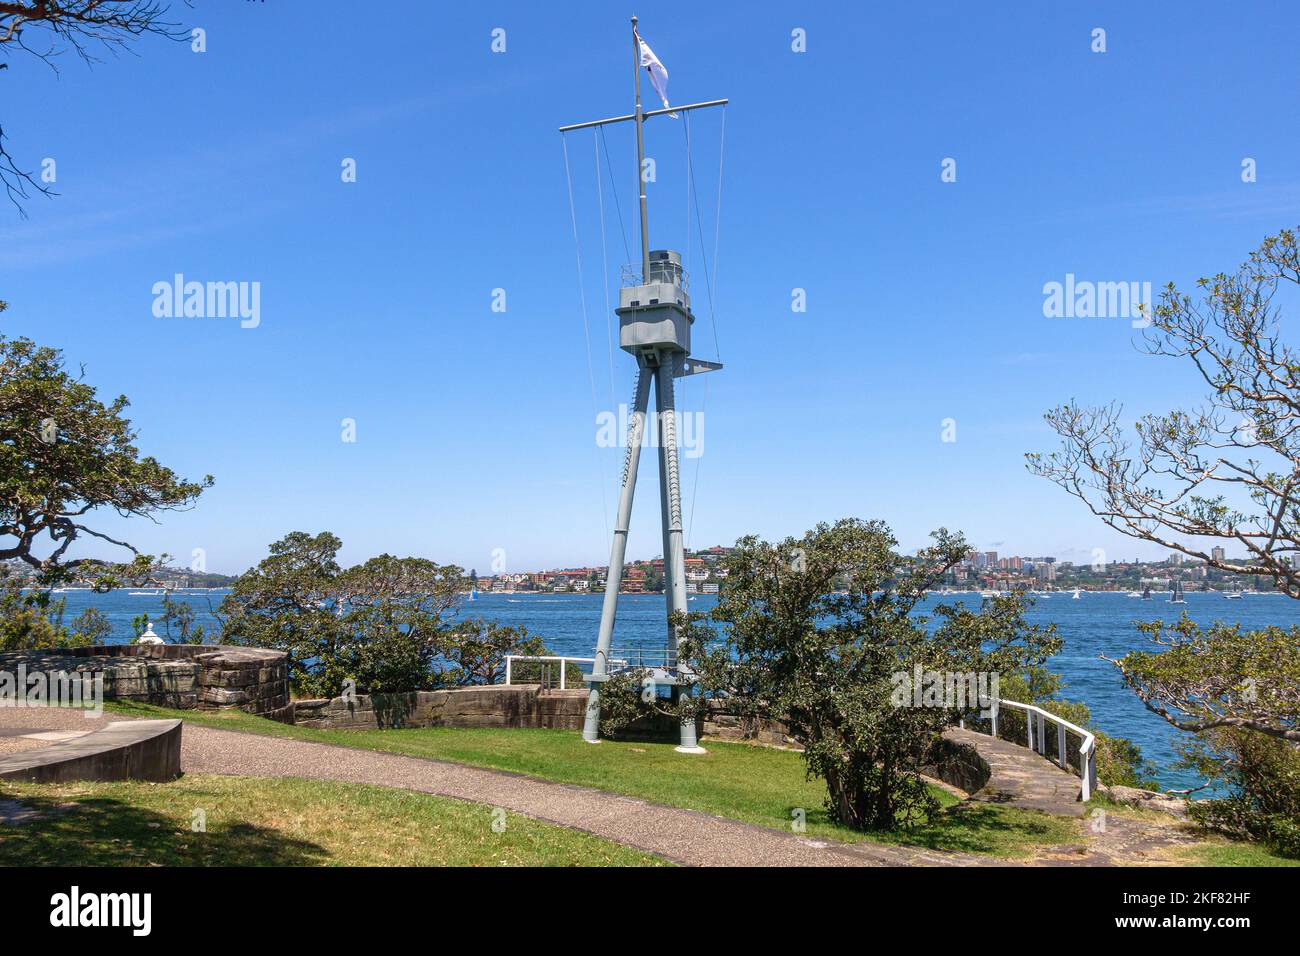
658, 72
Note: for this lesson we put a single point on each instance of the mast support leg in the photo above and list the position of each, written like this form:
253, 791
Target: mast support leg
617, 553
675, 556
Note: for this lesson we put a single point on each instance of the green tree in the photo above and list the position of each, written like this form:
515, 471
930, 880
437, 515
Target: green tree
180, 614
64, 456
1221, 677
1262, 775
1225, 472
284, 603
476, 650
387, 625
32, 618
815, 632
393, 615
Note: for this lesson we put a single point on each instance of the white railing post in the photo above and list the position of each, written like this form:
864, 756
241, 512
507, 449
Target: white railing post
564, 666
509, 660
1087, 741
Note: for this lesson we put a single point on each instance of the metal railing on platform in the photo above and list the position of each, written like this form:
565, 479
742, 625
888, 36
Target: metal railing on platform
1036, 721
543, 674
544, 668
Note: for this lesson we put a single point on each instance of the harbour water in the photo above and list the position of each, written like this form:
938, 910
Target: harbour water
1098, 623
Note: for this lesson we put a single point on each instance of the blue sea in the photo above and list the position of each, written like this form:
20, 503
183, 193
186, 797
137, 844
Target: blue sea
1098, 623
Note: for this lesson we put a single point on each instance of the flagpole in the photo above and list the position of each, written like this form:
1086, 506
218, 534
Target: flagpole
639, 117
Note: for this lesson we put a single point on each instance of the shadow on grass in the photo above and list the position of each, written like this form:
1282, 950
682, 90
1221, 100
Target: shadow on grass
967, 827
973, 827
103, 831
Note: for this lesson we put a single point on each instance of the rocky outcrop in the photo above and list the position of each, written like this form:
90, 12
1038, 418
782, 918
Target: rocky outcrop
1148, 800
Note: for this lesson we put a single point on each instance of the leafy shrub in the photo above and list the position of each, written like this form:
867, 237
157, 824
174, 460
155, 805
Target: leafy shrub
1263, 775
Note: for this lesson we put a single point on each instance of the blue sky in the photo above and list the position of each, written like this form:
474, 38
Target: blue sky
476, 429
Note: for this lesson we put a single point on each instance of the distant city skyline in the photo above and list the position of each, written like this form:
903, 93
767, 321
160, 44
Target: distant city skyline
930, 209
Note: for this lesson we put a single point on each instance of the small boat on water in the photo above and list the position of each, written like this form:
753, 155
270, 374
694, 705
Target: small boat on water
1146, 594
1176, 595
1075, 595
1134, 594
1232, 595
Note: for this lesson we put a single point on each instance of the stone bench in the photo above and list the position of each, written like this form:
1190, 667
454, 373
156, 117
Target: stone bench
122, 750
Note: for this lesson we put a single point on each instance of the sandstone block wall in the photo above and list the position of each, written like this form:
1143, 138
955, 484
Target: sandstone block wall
516, 705
185, 676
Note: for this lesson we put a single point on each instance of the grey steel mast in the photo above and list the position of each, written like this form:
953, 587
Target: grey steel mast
640, 153
655, 327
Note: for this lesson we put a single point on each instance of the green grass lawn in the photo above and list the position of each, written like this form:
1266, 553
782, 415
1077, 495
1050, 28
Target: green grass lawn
1217, 852
758, 785
281, 822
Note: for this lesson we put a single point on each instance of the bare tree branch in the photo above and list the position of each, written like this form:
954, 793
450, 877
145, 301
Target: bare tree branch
47, 28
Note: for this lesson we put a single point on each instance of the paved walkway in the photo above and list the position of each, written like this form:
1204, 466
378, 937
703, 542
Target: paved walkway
1020, 778
683, 836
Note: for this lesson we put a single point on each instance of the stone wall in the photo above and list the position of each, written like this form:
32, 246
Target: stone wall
726, 726
515, 705
959, 765
185, 676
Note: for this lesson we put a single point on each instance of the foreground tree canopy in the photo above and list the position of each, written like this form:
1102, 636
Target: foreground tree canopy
1220, 677
817, 632
1227, 471
64, 456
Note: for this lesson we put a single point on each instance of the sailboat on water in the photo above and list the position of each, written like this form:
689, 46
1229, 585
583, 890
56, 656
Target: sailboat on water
1176, 595
1146, 593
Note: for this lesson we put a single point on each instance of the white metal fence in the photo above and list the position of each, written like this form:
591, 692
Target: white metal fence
544, 659
1036, 721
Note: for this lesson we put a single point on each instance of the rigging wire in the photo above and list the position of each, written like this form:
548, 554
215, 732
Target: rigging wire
604, 261
614, 189
586, 328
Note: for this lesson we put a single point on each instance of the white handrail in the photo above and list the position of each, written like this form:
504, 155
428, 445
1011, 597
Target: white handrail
564, 663
1087, 746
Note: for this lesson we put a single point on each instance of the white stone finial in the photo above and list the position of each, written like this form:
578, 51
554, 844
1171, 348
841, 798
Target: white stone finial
149, 637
